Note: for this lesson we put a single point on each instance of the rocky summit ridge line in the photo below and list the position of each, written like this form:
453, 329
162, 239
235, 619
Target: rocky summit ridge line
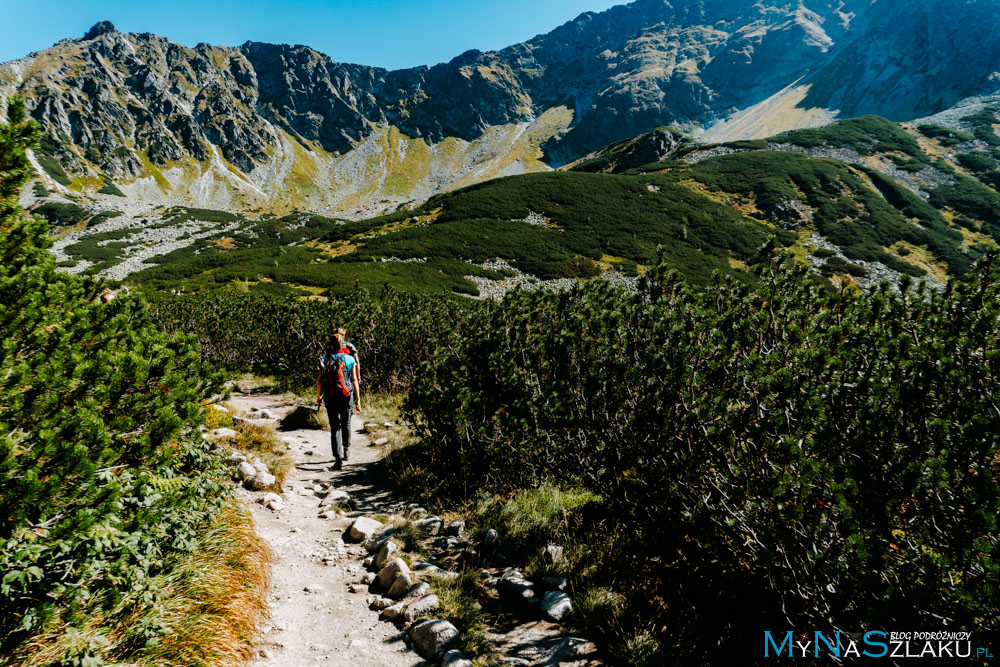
281, 127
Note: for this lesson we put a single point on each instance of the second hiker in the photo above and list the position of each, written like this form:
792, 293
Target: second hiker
339, 386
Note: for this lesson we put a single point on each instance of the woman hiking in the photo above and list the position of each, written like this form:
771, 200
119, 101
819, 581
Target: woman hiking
339, 386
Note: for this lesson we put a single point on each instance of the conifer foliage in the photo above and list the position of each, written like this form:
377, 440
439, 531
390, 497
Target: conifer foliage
104, 480
773, 456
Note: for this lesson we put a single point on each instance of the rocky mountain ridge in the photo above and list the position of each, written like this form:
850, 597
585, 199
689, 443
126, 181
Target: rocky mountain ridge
279, 127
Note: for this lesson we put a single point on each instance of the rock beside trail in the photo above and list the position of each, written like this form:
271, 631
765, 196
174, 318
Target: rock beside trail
430, 525
363, 528
423, 606
516, 592
260, 481
381, 441
455, 659
556, 605
224, 433
554, 554
261, 466
393, 612
220, 408
335, 498
400, 585
433, 637
385, 554
491, 539
455, 528
387, 575
245, 471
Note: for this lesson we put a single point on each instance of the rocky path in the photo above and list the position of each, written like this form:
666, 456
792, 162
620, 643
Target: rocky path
321, 608
315, 618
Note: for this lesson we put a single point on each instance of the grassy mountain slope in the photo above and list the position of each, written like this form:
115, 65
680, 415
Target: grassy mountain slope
862, 200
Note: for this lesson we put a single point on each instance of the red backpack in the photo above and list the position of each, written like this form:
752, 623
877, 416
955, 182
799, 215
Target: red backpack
336, 379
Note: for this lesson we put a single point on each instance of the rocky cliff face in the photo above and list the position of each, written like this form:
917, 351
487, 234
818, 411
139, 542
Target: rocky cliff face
237, 126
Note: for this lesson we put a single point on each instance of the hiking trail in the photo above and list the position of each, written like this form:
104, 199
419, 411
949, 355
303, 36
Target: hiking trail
318, 603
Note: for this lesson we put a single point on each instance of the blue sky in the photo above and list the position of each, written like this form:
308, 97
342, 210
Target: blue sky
386, 33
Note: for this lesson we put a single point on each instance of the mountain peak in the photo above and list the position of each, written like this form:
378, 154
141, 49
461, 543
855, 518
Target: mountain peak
100, 28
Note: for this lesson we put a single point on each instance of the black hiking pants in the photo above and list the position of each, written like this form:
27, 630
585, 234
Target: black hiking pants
338, 409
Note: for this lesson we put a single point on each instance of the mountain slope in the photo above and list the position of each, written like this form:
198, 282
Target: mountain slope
282, 127
862, 201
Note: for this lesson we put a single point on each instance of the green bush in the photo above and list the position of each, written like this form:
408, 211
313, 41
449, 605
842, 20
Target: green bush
945, 135
104, 479
48, 157
62, 213
109, 188
253, 331
775, 454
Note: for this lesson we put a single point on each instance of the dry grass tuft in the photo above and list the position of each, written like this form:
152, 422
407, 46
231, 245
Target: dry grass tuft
205, 612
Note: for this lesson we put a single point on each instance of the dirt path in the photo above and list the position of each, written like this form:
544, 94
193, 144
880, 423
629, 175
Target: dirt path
316, 617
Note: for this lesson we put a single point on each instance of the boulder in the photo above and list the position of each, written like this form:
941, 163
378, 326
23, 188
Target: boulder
387, 575
400, 585
261, 466
455, 528
556, 605
433, 637
516, 592
261, 481
269, 497
380, 603
304, 418
419, 590
224, 433
245, 471
275, 505
235, 458
392, 612
455, 659
219, 408
375, 542
370, 426
491, 539
430, 525
363, 528
553, 554
335, 498
423, 606
381, 442
388, 424
385, 554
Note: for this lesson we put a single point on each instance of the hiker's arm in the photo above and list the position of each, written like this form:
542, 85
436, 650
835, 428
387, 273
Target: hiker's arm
357, 387
319, 386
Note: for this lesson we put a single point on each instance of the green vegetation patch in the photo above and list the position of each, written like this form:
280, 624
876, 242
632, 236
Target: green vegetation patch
102, 217
109, 188
866, 134
946, 136
846, 211
47, 155
62, 213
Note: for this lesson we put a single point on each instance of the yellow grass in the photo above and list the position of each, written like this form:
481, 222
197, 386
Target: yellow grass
212, 604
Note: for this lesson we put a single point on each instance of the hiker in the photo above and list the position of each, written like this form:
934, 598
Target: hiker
338, 385
349, 348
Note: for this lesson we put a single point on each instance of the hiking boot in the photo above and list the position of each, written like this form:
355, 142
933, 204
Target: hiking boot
339, 465
346, 453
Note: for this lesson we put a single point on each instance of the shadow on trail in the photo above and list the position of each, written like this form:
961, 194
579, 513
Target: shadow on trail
363, 480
